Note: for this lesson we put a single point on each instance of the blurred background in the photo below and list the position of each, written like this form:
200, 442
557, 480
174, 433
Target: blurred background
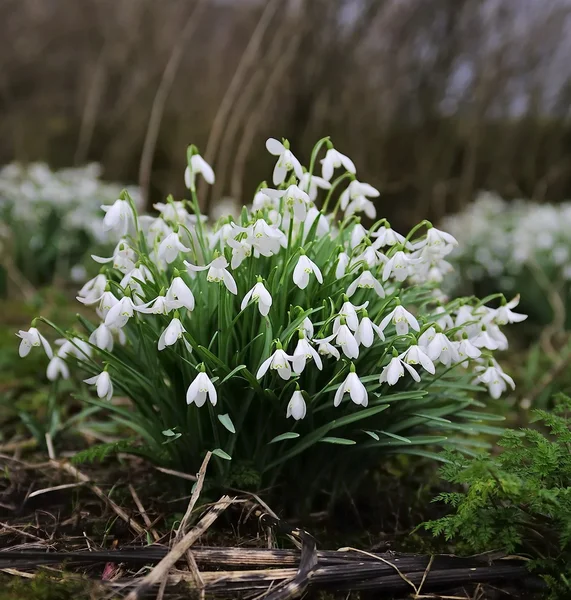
434, 100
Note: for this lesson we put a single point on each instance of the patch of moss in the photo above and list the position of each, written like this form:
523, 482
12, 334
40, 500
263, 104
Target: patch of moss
46, 586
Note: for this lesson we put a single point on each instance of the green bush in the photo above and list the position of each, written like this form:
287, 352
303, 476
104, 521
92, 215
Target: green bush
518, 501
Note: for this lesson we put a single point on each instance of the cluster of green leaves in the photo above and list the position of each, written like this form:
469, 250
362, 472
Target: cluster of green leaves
518, 501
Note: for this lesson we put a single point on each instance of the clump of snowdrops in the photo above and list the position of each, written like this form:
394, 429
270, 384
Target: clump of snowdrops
295, 343
513, 246
51, 219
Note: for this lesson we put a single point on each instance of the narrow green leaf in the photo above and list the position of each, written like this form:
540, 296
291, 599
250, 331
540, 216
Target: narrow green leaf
232, 373
372, 434
221, 454
227, 422
288, 435
396, 437
337, 440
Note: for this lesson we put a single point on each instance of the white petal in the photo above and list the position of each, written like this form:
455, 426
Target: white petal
274, 146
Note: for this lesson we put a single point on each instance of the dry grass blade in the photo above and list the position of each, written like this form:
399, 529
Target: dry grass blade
56, 488
144, 514
194, 497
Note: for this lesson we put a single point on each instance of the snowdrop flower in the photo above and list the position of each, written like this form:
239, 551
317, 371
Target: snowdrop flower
484, 340
133, 277
157, 306
326, 349
436, 243
75, 346
361, 204
354, 387
498, 336
174, 212
310, 184
103, 383
345, 339
442, 349
286, 161
348, 311
266, 239
388, 237
197, 166
322, 224
171, 334
102, 338
170, 247
57, 368
222, 235
307, 327
398, 266
123, 258
200, 390
296, 406
504, 315
342, 264
415, 355
92, 291
217, 272
304, 352
120, 313
444, 320
179, 295
333, 160
401, 319
303, 269
106, 303
118, 217
365, 334
371, 257
241, 250
496, 380
426, 337
356, 199
467, 350
261, 296
296, 200
279, 362
395, 370
366, 281
358, 234
33, 339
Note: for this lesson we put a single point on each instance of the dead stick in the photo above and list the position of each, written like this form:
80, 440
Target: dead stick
143, 513
193, 497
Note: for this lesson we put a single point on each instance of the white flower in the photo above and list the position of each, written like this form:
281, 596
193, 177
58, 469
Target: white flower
278, 361
387, 237
123, 257
484, 340
221, 235
134, 277
436, 243
309, 183
444, 320
92, 291
170, 247
398, 266
241, 250
57, 368
302, 353
361, 204
297, 201
307, 327
348, 311
103, 383
267, 240
358, 234
354, 387
371, 257
326, 349
179, 295
171, 334
367, 281
260, 295
365, 333
395, 370
201, 389
442, 349
197, 165
120, 313
356, 190
401, 319
33, 338
102, 338
467, 350
495, 379
157, 306
345, 339
107, 302
286, 161
504, 315
333, 160
322, 224
426, 337
296, 406
415, 355
302, 270
342, 264
217, 272
75, 346
118, 217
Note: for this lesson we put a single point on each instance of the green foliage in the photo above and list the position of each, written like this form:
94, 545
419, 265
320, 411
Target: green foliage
518, 501
99, 452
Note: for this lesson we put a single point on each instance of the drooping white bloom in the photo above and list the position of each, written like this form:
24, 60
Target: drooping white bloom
398, 266
401, 319
157, 306
355, 388
260, 295
266, 239
345, 339
395, 370
107, 302
118, 217
307, 327
286, 161
217, 272
302, 353
102, 337
366, 281
444, 320
120, 313
365, 334
496, 380
442, 349
348, 311
303, 269
436, 243
426, 337
33, 339
222, 235
322, 228
358, 234
484, 340
415, 355
504, 314
134, 277
310, 184
326, 349
279, 361
371, 257
170, 247
297, 201
103, 384
241, 250
75, 346
173, 212
333, 160
123, 257
467, 350
498, 336
361, 204
179, 295
296, 406
92, 290
57, 368
171, 334
388, 237
354, 191
201, 389
342, 264
197, 166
